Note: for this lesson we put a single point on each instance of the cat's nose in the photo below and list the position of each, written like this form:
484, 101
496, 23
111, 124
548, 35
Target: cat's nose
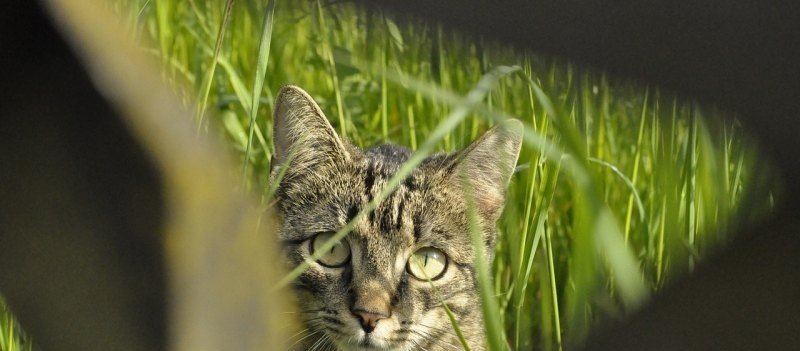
369, 319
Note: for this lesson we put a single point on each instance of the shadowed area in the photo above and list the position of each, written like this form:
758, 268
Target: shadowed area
91, 228
80, 204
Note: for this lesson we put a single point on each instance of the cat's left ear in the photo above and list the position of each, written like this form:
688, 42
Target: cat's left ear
301, 132
487, 165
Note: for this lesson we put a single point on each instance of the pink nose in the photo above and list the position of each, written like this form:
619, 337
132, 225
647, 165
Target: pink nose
369, 319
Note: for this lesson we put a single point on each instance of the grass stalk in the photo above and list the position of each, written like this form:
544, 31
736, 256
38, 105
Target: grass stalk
258, 82
495, 336
209, 78
551, 274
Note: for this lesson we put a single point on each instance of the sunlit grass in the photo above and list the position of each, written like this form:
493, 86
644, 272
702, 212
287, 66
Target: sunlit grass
619, 189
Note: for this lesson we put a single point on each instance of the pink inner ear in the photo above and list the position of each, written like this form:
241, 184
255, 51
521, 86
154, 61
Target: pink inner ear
488, 202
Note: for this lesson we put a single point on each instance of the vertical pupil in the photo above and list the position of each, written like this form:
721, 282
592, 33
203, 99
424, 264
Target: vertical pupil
426, 261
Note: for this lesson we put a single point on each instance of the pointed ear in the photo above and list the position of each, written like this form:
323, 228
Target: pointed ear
488, 164
302, 133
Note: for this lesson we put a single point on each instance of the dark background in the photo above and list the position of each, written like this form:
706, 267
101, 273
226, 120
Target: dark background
80, 204
81, 207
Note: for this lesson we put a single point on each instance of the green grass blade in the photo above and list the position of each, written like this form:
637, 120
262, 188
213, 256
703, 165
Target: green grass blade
496, 340
447, 310
328, 56
258, 83
551, 274
637, 160
628, 182
206, 89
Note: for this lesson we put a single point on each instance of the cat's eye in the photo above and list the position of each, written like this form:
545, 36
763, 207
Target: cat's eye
427, 264
336, 256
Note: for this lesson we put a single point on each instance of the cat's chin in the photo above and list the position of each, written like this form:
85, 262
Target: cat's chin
368, 343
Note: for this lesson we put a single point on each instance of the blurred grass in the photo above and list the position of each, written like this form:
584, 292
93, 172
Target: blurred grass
620, 187
11, 336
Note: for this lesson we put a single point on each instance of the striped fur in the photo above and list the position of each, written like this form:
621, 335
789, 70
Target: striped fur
328, 181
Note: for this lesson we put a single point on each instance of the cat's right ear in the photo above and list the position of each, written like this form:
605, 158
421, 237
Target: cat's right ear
302, 133
487, 166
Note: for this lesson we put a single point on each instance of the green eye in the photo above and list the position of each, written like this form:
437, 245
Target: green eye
336, 256
427, 263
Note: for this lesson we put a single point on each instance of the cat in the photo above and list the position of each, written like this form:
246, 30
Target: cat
366, 292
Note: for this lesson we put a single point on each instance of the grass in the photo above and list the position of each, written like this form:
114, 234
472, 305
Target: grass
11, 336
620, 188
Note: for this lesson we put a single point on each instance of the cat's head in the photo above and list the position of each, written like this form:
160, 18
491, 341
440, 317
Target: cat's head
367, 293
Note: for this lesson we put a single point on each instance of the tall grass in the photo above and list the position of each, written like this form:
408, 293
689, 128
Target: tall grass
619, 189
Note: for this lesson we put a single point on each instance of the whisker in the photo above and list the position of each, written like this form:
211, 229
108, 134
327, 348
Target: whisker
303, 338
418, 346
425, 338
327, 345
298, 333
440, 331
320, 342
305, 311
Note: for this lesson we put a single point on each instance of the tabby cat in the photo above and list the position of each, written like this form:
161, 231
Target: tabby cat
382, 286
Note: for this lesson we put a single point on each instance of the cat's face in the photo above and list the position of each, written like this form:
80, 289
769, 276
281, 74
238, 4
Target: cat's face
384, 285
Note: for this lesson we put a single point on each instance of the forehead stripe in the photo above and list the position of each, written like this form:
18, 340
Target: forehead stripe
386, 217
416, 222
410, 182
369, 181
400, 208
352, 211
